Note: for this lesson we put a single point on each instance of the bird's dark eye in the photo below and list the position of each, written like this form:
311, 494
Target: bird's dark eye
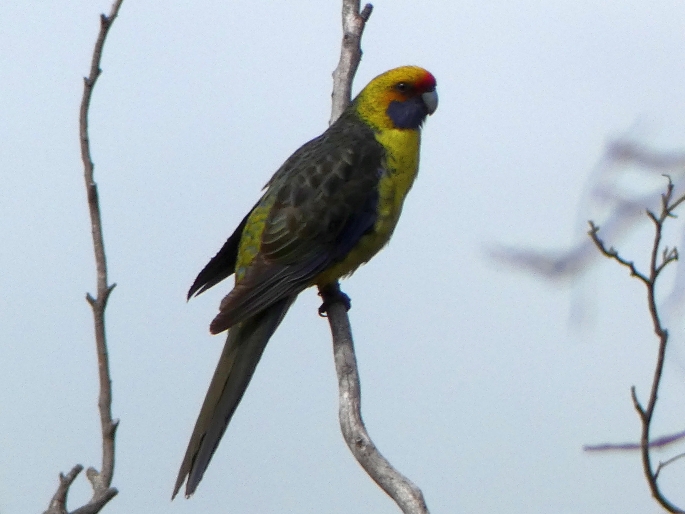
402, 87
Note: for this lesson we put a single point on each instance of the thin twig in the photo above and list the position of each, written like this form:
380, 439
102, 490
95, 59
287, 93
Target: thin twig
405, 494
665, 463
612, 253
658, 261
100, 480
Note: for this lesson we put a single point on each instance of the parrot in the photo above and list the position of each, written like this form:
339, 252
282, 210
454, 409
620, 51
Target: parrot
328, 209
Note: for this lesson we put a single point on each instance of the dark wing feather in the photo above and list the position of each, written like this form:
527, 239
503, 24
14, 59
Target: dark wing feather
324, 199
242, 351
221, 266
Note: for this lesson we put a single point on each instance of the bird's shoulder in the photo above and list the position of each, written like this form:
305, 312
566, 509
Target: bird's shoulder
347, 148
321, 188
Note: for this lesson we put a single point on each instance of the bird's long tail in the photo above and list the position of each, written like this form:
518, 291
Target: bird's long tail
244, 346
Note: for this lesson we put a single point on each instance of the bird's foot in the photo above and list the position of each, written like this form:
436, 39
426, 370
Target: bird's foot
331, 293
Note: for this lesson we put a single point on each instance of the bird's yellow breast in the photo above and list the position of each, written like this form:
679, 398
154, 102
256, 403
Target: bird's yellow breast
401, 167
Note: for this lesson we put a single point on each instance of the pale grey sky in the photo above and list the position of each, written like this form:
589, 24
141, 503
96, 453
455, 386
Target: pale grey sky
474, 383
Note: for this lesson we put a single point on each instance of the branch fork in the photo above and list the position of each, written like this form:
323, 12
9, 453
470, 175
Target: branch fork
659, 259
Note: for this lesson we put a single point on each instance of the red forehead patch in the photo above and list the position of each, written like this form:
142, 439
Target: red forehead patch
427, 82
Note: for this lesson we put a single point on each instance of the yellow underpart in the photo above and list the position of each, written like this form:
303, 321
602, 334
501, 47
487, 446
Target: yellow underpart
402, 147
401, 166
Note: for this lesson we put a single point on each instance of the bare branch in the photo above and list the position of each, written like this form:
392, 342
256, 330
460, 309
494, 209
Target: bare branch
613, 254
58, 504
353, 23
636, 403
658, 261
662, 465
407, 495
97, 502
100, 480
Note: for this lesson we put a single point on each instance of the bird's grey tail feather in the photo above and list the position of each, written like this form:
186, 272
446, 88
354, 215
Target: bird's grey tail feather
244, 346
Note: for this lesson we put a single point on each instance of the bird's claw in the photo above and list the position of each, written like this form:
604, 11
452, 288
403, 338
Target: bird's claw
331, 294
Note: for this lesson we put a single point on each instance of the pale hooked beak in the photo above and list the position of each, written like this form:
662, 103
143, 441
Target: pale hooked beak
430, 98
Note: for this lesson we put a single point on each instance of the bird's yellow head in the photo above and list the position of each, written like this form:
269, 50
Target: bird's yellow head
398, 99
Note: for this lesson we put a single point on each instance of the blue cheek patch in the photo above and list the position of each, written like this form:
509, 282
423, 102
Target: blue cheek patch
409, 114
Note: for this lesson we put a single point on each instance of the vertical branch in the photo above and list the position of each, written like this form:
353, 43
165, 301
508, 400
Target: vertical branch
103, 479
405, 494
656, 265
659, 259
403, 491
353, 23
100, 480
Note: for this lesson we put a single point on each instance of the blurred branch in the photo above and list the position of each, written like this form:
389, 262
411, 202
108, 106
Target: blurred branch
335, 304
100, 480
623, 151
659, 442
660, 258
626, 209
